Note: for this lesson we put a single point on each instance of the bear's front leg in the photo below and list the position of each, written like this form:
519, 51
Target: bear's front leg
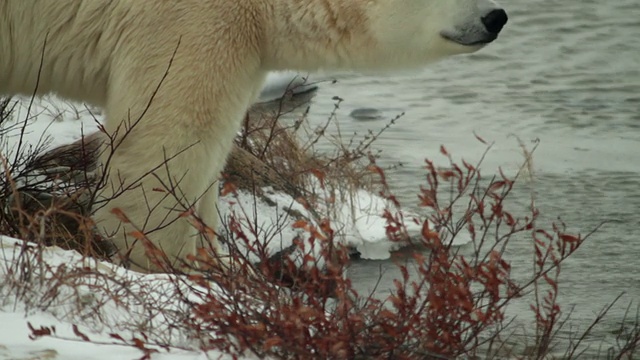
208, 215
172, 112
146, 199
159, 166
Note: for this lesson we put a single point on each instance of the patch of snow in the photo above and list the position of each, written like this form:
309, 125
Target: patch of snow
15, 343
358, 222
144, 301
50, 121
277, 84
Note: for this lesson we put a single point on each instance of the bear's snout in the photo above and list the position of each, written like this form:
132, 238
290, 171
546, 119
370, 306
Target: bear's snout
478, 30
495, 20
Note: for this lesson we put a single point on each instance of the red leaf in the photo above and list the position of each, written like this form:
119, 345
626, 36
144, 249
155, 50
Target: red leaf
443, 150
138, 343
569, 238
120, 215
479, 138
472, 230
42, 331
387, 314
446, 174
117, 337
551, 282
187, 213
300, 224
271, 342
509, 219
428, 234
497, 185
468, 166
228, 188
374, 168
139, 235
320, 175
77, 332
427, 199
396, 301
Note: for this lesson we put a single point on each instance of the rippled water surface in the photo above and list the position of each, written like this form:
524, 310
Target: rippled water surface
564, 72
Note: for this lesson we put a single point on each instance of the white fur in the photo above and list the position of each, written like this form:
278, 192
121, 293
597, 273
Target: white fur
115, 53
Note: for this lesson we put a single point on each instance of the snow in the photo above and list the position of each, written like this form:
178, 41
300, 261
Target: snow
94, 306
50, 121
15, 343
278, 82
357, 220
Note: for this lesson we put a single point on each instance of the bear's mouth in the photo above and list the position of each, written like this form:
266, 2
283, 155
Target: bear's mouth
466, 39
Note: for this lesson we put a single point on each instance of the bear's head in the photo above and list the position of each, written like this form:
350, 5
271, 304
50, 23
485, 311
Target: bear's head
425, 30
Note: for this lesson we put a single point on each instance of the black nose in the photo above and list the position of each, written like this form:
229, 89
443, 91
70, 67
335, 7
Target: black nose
495, 20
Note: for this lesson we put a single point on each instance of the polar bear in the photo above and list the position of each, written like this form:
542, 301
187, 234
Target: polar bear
177, 76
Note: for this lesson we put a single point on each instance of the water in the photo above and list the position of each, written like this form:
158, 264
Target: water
564, 72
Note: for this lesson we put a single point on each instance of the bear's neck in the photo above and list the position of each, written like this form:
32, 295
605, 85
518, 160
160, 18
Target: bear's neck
316, 34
